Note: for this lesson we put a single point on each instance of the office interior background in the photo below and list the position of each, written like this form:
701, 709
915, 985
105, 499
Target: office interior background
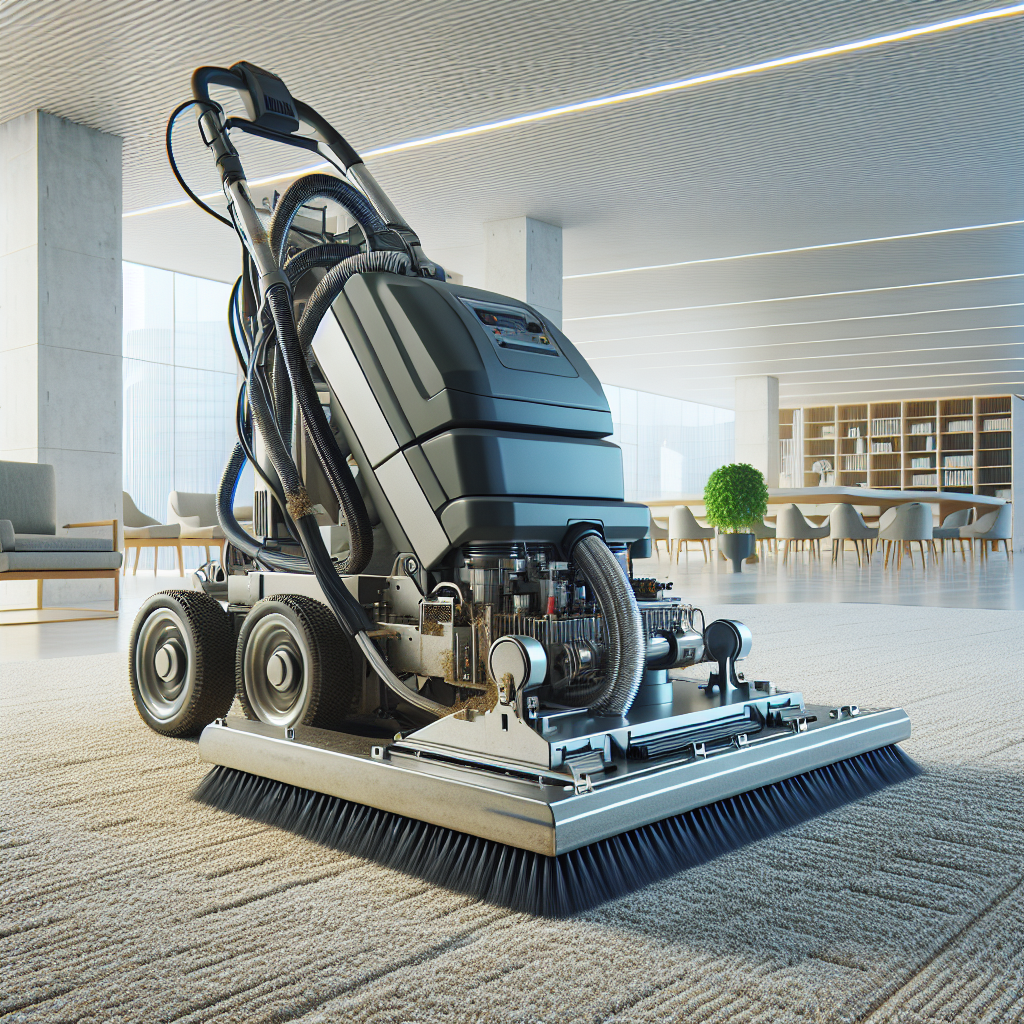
781, 233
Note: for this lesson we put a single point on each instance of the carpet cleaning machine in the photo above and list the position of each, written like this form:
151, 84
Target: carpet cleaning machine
432, 629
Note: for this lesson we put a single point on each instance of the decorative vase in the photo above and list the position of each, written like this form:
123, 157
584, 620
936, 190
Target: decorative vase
736, 547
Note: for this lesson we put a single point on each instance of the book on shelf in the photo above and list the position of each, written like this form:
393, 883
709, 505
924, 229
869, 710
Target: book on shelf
828, 430
929, 443
1006, 423
854, 462
924, 479
853, 432
958, 461
886, 426
881, 447
1006, 493
959, 427
922, 428
924, 462
957, 477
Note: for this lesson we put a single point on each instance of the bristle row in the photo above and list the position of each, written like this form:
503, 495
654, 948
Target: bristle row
572, 882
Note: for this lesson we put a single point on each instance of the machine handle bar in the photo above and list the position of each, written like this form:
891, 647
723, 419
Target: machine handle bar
234, 78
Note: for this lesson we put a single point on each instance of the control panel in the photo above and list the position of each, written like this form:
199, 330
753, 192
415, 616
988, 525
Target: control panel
513, 327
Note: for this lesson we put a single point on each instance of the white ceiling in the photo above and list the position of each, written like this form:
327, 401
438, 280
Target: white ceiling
914, 136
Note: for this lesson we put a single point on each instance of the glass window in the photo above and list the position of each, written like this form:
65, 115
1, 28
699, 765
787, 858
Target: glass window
669, 447
179, 390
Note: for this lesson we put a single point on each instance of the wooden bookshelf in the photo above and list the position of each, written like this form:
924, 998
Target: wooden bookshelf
944, 444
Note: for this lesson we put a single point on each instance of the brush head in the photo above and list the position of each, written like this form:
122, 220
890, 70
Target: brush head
571, 882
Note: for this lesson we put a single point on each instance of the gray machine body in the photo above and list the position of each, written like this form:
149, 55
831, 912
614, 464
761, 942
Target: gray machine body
476, 425
466, 431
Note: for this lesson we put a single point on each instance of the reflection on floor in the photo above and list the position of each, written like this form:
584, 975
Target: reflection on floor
951, 582
103, 636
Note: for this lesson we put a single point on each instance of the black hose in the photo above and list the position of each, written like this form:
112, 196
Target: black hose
236, 535
320, 186
325, 255
281, 390
330, 456
240, 344
243, 428
332, 283
351, 615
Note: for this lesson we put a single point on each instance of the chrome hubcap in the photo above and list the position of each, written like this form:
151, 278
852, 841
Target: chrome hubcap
274, 671
281, 670
168, 661
162, 664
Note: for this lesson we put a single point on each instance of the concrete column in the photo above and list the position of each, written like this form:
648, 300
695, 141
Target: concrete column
60, 315
523, 259
757, 425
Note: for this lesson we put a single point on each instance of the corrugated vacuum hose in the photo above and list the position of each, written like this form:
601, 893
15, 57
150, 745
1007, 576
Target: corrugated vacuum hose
614, 693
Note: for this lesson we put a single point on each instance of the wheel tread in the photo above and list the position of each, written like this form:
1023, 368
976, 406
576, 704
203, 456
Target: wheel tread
212, 641
335, 694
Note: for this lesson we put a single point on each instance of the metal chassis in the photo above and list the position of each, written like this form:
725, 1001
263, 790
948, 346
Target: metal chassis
537, 811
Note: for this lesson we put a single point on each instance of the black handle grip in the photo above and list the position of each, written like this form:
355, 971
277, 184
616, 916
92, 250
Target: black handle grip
203, 78
327, 134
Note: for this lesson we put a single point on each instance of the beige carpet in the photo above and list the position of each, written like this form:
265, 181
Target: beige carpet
124, 901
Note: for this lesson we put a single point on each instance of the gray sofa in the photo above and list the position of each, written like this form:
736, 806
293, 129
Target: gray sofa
29, 546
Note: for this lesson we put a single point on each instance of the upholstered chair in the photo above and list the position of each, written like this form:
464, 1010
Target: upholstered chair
197, 516
992, 528
950, 529
684, 528
142, 531
902, 526
846, 523
792, 527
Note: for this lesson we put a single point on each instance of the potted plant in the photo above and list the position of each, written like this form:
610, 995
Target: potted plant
735, 498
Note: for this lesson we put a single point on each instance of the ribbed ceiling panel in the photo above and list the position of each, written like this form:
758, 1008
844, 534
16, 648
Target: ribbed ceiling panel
912, 136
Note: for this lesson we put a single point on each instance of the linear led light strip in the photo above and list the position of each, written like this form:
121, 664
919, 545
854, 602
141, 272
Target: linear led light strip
637, 94
798, 323
802, 248
827, 385
814, 341
858, 369
794, 298
1001, 384
834, 355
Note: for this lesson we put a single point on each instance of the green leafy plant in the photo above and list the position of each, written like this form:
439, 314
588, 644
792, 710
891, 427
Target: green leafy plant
735, 498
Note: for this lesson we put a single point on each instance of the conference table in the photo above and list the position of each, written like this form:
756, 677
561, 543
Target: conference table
862, 497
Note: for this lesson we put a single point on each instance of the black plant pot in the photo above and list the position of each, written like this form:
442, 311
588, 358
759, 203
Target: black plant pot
736, 547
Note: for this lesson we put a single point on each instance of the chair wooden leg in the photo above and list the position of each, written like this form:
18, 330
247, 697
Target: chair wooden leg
181, 560
706, 552
124, 561
785, 551
39, 593
860, 561
206, 548
135, 566
117, 592
156, 558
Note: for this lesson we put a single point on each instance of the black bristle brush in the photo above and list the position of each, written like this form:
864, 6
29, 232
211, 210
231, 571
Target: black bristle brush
571, 882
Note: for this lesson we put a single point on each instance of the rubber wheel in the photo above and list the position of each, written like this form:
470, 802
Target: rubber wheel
293, 664
180, 665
